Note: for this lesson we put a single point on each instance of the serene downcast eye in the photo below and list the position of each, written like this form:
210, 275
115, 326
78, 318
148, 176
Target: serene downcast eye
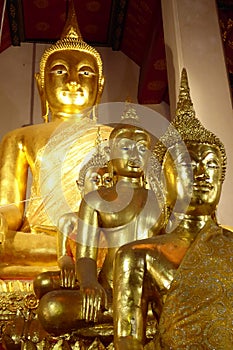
187, 164
142, 148
95, 179
212, 165
107, 180
58, 70
87, 73
125, 148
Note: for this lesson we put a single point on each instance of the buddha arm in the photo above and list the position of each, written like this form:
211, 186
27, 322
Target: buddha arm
87, 243
67, 225
13, 179
93, 293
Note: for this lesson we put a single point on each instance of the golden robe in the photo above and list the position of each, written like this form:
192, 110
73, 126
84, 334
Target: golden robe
198, 311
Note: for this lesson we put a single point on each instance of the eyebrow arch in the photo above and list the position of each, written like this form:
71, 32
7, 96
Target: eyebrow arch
58, 63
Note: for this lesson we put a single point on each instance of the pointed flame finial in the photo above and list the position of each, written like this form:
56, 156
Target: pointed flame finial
184, 104
71, 28
130, 113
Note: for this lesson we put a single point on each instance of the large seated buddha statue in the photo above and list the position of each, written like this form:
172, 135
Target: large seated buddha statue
70, 84
187, 272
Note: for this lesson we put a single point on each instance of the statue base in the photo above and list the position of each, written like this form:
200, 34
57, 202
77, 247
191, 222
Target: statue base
21, 329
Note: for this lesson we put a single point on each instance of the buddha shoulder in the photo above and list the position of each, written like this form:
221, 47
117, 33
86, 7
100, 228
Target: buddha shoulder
37, 134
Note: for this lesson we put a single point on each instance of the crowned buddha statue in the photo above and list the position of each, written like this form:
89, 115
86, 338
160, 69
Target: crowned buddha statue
124, 212
70, 84
187, 271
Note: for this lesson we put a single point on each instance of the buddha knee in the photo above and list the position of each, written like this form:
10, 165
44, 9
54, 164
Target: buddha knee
130, 253
61, 311
46, 282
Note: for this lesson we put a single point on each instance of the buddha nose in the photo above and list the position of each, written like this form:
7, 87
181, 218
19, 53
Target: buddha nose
200, 171
73, 82
134, 156
73, 85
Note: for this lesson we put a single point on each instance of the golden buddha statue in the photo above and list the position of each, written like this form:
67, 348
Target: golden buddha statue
187, 271
123, 213
70, 83
93, 175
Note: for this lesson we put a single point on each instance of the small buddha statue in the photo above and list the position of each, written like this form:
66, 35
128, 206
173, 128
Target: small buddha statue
93, 175
123, 212
70, 84
187, 271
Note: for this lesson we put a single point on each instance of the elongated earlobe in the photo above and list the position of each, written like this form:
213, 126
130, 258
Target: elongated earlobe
44, 102
100, 90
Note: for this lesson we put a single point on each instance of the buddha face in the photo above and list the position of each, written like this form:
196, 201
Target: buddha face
197, 175
71, 82
95, 178
130, 152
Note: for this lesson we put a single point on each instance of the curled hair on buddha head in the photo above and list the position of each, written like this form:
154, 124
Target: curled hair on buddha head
71, 39
186, 128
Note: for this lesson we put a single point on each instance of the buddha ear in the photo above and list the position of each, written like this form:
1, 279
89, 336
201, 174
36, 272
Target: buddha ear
100, 89
44, 102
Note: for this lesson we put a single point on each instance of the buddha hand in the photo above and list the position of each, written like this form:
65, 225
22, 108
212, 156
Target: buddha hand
67, 274
94, 299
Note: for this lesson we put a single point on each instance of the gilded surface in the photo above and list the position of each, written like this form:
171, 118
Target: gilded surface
122, 213
58, 163
186, 272
70, 83
198, 309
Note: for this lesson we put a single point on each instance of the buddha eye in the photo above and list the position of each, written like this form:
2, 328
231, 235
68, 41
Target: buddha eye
193, 164
125, 148
141, 148
58, 70
107, 180
84, 73
184, 161
95, 179
212, 164
123, 145
187, 164
87, 73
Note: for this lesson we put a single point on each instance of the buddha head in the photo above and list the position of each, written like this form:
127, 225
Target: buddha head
95, 172
193, 160
71, 74
130, 146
